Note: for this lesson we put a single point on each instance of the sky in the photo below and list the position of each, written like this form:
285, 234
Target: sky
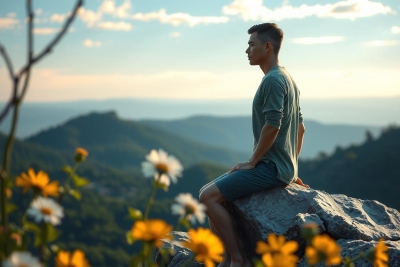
180, 49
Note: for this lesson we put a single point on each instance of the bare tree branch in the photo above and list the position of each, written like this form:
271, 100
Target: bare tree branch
8, 61
29, 10
50, 46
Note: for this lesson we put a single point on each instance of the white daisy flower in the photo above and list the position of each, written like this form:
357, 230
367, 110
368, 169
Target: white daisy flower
189, 208
46, 209
160, 163
18, 259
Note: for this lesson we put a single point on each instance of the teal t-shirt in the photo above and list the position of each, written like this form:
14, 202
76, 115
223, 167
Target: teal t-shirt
276, 103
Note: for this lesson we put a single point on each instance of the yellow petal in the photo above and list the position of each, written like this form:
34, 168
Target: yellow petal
289, 247
63, 259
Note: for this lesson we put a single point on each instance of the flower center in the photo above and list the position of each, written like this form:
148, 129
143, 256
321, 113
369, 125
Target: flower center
46, 211
202, 249
189, 209
162, 168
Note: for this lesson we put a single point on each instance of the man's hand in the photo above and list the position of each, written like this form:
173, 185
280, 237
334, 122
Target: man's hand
300, 182
241, 166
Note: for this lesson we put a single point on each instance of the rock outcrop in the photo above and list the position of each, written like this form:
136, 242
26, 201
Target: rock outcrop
355, 224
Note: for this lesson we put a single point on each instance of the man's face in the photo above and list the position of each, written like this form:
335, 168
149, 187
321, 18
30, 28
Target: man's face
256, 51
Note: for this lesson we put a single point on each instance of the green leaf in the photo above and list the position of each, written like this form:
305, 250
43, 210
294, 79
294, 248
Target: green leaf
31, 227
129, 238
67, 169
135, 214
11, 207
76, 194
49, 233
136, 261
185, 223
80, 181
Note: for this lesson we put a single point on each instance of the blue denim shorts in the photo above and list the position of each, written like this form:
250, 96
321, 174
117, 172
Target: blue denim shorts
245, 182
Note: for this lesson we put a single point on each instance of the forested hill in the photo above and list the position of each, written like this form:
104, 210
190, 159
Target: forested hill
367, 171
123, 144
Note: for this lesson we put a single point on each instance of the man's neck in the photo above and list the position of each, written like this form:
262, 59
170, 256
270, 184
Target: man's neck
269, 64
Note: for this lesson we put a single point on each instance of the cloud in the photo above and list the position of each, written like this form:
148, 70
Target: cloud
8, 23
395, 29
122, 11
95, 19
175, 34
376, 43
114, 26
38, 12
318, 40
59, 18
91, 43
11, 15
177, 19
347, 9
45, 31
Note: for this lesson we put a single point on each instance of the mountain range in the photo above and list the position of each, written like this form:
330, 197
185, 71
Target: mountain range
116, 146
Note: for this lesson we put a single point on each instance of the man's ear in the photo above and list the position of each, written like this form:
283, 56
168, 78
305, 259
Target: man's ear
268, 46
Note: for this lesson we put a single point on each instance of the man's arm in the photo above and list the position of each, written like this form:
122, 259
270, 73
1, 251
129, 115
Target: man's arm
302, 130
267, 138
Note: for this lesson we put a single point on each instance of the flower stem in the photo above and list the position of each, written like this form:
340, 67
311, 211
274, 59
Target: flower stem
151, 200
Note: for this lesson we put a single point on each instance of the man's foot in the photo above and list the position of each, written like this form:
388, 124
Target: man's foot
246, 263
300, 182
224, 264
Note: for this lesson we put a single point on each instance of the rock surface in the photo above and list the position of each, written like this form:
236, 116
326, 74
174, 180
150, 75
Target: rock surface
355, 224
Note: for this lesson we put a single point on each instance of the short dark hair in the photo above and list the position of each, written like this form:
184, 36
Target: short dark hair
268, 32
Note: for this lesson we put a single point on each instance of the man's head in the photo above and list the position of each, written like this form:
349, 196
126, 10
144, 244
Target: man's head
268, 32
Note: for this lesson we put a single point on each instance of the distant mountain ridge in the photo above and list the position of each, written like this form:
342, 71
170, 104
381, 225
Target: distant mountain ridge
236, 133
123, 143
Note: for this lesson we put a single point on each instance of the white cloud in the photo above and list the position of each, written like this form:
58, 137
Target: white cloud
59, 18
177, 19
38, 12
382, 43
95, 19
91, 43
395, 29
347, 9
114, 26
45, 31
11, 15
8, 23
175, 34
318, 40
89, 16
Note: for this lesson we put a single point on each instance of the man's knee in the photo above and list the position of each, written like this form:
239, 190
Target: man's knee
211, 194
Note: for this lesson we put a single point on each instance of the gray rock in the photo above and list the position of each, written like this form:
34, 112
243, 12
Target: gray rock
355, 224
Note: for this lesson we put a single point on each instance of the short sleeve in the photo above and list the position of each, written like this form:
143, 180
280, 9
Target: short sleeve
273, 95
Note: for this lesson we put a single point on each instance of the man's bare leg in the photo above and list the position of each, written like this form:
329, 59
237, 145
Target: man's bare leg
226, 261
223, 224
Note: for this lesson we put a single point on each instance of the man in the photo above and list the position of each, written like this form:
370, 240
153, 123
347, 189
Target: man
278, 132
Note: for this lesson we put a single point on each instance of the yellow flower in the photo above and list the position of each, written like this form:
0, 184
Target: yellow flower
206, 246
278, 252
151, 231
77, 259
378, 255
80, 154
323, 248
39, 181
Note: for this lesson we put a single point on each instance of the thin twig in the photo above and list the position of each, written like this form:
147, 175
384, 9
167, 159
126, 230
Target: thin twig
10, 68
8, 61
56, 39
29, 10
